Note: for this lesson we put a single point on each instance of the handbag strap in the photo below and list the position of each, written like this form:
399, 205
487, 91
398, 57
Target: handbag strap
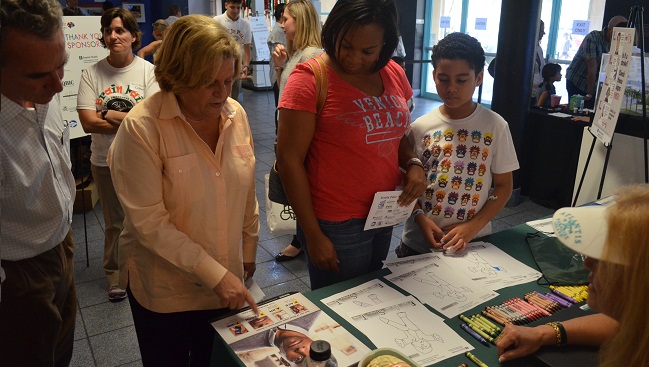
321, 81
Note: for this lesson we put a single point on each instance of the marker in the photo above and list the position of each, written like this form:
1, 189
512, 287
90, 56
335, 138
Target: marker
475, 359
475, 335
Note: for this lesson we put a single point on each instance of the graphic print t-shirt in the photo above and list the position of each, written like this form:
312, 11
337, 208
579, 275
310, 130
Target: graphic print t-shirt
355, 146
459, 157
119, 89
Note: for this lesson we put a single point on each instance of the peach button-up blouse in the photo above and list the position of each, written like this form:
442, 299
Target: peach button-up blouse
191, 214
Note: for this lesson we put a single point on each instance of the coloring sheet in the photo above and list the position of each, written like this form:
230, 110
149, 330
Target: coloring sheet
409, 327
396, 265
490, 266
361, 297
440, 286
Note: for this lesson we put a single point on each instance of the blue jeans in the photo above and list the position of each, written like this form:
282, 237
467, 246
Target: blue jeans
359, 252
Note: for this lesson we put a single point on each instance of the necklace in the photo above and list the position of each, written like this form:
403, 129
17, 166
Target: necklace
187, 117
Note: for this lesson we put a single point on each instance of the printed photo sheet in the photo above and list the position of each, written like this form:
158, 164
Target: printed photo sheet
361, 297
490, 266
441, 287
409, 327
281, 334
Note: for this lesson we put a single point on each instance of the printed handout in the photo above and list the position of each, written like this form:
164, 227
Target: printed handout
490, 266
361, 297
385, 210
441, 287
409, 327
281, 334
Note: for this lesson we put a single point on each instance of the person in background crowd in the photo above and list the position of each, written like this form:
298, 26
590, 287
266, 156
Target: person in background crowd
551, 73
332, 165
614, 240
174, 14
72, 8
38, 300
276, 37
159, 29
240, 29
191, 215
301, 22
107, 5
583, 72
107, 91
539, 63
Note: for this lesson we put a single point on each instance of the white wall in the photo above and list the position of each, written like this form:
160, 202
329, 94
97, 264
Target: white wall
626, 166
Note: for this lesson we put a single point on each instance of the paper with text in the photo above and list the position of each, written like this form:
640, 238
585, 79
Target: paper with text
385, 210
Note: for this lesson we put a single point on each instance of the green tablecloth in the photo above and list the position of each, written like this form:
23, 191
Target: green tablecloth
512, 241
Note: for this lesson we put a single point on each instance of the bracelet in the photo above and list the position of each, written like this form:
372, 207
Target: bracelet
560, 331
104, 112
414, 161
416, 212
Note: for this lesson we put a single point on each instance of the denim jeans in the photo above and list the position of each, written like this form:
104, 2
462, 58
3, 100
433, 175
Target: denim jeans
359, 251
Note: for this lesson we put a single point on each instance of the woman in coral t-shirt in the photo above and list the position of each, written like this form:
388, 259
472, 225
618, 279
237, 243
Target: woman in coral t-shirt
332, 164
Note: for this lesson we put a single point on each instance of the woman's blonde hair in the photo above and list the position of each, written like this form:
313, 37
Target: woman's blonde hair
628, 235
307, 26
193, 48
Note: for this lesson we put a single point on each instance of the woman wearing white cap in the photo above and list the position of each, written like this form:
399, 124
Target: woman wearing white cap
615, 240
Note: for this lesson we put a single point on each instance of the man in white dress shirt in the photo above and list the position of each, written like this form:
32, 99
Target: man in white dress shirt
38, 300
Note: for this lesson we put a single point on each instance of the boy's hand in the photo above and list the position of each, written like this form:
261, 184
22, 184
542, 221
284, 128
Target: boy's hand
431, 231
414, 185
459, 235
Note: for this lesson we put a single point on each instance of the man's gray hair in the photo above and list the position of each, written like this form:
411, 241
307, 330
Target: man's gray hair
41, 18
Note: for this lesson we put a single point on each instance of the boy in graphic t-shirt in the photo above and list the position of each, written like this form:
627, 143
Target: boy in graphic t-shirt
465, 148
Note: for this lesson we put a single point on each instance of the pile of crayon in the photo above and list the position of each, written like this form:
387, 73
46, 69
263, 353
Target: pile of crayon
486, 326
480, 328
575, 293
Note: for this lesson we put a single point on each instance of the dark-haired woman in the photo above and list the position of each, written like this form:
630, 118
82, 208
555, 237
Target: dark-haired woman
551, 73
107, 91
334, 163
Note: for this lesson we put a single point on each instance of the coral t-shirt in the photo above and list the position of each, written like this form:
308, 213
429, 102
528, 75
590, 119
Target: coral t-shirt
355, 146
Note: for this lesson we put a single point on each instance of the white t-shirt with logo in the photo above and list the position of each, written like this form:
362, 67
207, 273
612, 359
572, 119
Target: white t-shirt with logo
460, 158
104, 86
240, 29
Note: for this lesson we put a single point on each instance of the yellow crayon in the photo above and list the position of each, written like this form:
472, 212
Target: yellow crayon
488, 322
475, 360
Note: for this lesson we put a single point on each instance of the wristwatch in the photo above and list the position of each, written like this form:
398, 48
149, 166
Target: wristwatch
104, 112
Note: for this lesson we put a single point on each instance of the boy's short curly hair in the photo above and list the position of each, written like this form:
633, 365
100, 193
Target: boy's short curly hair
459, 46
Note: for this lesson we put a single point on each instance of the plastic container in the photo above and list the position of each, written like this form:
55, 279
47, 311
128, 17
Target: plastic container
320, 355
365, 361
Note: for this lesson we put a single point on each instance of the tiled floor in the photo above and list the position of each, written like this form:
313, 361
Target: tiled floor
105, 335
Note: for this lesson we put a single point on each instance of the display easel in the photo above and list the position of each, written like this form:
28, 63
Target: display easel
635, 21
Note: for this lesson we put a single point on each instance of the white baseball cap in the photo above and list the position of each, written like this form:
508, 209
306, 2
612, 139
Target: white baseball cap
584, 230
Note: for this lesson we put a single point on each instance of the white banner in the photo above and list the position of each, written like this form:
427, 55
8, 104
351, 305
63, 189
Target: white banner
82, 36
612, 92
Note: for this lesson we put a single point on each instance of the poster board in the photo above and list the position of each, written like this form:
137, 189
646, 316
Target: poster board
259, 38
610, 97
84, 49
260, 51
267, 339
